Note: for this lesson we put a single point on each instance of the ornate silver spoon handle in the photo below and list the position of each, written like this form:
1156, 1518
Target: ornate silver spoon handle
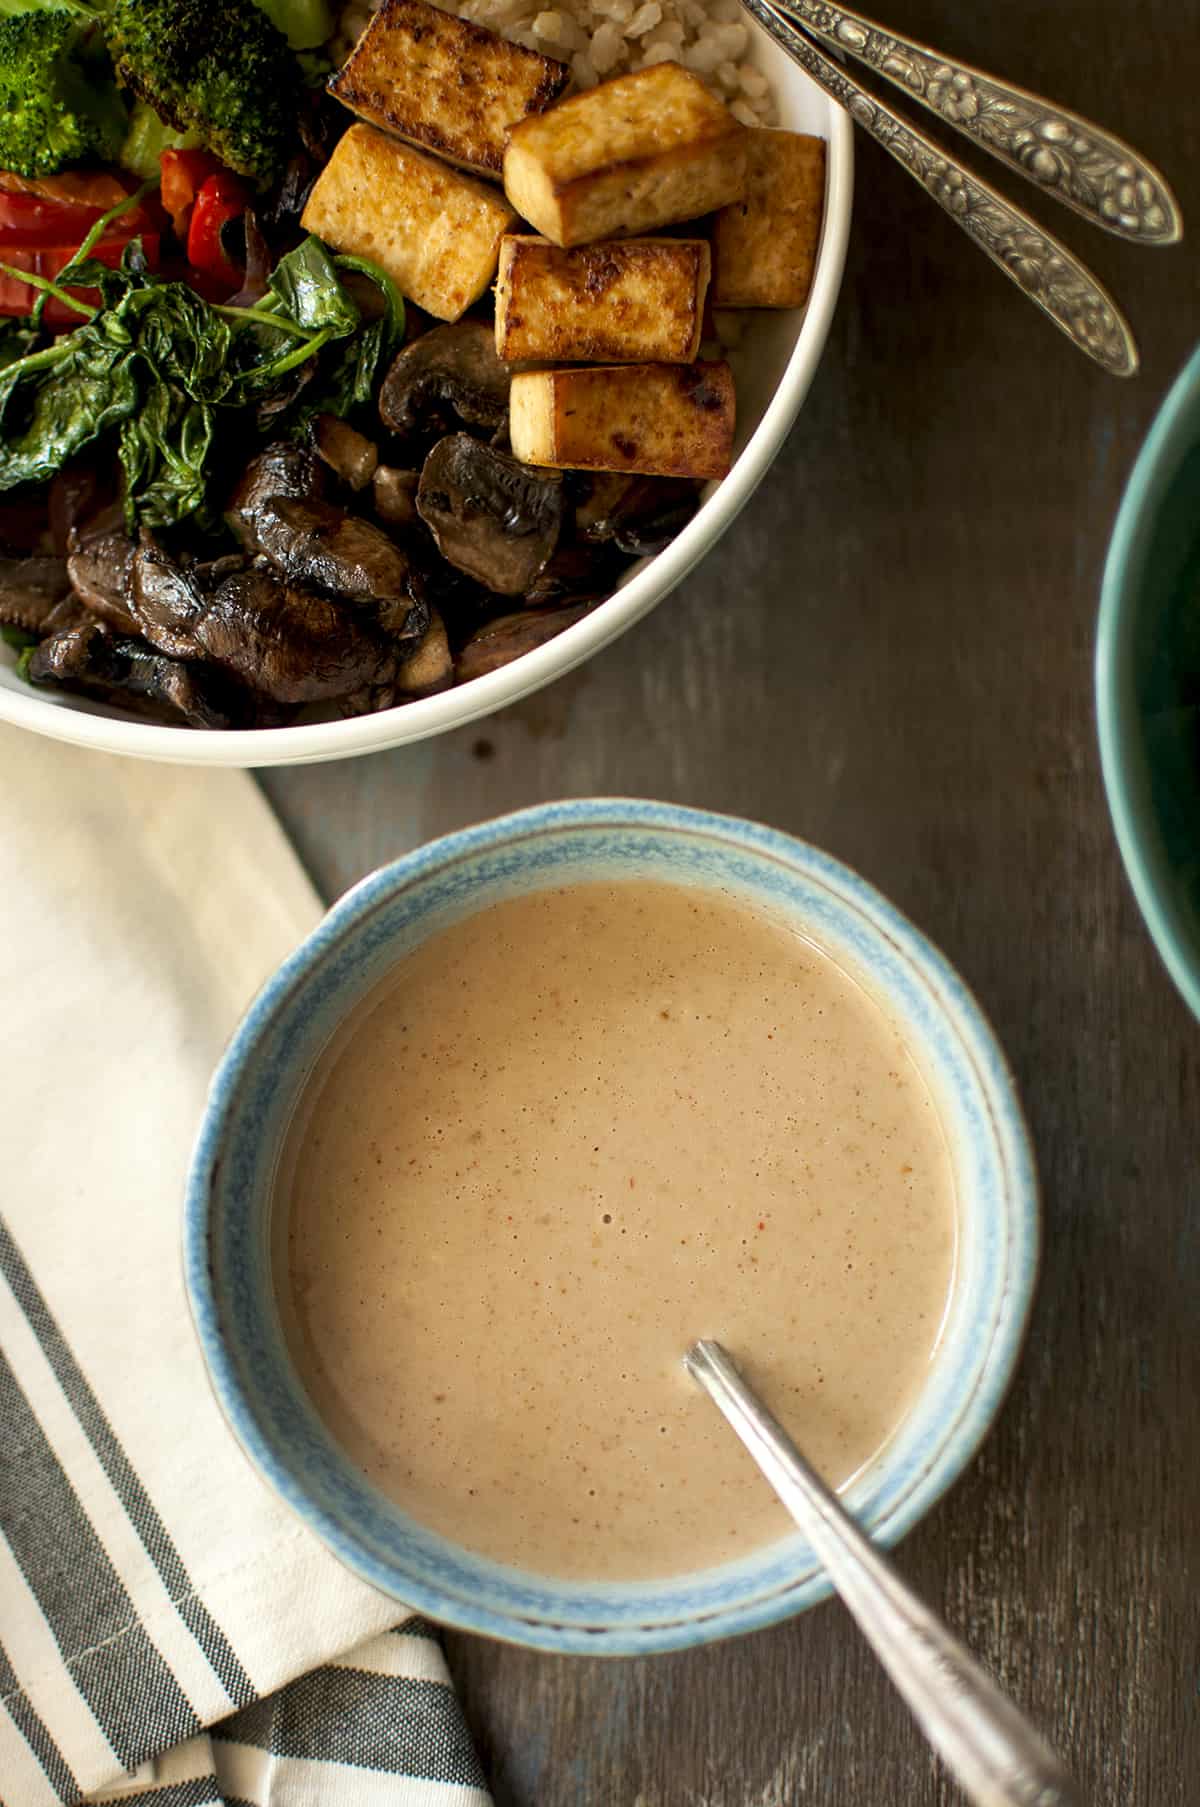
1050, 275
1077, 162
996, 1754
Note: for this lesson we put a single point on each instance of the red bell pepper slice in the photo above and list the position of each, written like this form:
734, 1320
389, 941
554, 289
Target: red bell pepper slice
98, 189
53, 209
183, 174
27, 219
222, 198
18, 297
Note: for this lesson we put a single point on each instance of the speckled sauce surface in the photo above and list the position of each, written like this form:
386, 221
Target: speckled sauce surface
568, 1136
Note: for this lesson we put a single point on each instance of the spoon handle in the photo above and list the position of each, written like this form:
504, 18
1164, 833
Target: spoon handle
996, 1754
1079, 163
1052, 277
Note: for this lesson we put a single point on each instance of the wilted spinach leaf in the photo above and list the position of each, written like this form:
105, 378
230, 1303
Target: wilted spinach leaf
16, 341
184, 341
163, 366
351, 369
307, 288
164, 450
58, 400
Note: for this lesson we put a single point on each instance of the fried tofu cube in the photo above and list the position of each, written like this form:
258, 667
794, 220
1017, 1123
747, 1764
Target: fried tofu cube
444, 84
625, 301
658, 420
638, 152
765, 245
435, 231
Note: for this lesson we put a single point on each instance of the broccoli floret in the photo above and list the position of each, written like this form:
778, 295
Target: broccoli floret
85, 8
58, 103
214, 67
306, 24
146, 140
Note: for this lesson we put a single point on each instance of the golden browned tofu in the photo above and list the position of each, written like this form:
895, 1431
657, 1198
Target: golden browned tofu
435, 231
660, 420
635, 153
626, 301
765, 245
445, 84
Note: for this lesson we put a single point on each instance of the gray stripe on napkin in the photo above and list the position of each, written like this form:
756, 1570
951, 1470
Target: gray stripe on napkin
201, 1791
350, 1716
416, 1628
125, 1483
137, 1701
34, 1733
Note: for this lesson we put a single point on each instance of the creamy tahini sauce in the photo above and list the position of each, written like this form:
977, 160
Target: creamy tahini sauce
567, 1137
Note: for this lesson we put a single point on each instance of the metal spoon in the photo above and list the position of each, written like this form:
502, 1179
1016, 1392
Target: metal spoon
1078, 163
996, 1754
1038, 263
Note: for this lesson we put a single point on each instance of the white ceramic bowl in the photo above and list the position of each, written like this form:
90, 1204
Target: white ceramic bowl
774, 368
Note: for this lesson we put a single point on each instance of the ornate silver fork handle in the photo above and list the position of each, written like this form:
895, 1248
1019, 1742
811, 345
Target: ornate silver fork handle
996, 1754
1077, 162
1050, 275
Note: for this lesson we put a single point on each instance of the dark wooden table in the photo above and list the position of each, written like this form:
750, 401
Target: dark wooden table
891, 655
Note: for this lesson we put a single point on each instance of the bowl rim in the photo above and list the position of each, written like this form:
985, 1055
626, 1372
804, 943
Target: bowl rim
973, 1413
458, 707
1123, 762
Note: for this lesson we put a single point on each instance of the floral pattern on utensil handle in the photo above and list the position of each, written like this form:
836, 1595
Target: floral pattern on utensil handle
1082, 165
1049, 274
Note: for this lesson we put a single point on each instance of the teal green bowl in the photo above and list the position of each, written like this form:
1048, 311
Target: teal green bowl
1148, 681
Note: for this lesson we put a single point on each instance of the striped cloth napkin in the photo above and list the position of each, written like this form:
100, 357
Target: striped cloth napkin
169, 1634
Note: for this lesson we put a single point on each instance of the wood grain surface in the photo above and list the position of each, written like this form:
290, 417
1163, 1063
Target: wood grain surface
891, 654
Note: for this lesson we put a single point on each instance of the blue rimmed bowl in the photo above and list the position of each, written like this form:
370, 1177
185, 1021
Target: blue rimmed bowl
228, 1213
